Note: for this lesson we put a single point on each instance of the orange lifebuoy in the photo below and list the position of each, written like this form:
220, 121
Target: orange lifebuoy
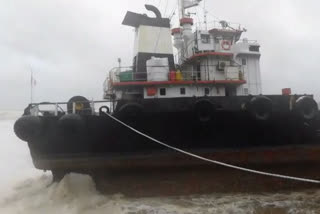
226, 45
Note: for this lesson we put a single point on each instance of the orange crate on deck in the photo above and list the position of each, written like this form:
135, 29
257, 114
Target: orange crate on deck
286, 91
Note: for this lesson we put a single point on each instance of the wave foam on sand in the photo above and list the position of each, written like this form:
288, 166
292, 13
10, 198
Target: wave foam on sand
76, 194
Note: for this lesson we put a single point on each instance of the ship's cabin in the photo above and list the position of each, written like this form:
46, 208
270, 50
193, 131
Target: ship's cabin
207, 61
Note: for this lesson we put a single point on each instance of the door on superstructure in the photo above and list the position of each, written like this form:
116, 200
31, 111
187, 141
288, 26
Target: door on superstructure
196, 72
231, 91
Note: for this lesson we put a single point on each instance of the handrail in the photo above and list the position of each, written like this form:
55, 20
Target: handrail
216, 25
65, 103
250, 41
34, 109
115, 75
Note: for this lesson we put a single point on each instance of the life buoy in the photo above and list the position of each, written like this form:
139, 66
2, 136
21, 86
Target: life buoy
204, 110
306, 107
260, 108
226, 45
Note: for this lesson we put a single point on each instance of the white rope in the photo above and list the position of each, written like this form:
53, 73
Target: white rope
216, 162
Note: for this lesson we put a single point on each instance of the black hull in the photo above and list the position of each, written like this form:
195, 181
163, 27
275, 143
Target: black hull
96, 143
101, 135
103, 143
208, 124
172, 181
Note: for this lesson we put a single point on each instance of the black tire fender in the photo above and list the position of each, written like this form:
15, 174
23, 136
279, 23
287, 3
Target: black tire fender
71, 124
28, 128
80, 100
261, 108
306, 107
204, 110
130, 110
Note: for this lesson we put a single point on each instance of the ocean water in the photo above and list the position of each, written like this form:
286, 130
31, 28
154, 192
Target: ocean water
26, 190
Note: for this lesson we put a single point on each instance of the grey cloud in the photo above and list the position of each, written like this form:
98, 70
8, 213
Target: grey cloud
72, 44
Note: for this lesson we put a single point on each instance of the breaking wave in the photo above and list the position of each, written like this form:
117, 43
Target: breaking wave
76, 194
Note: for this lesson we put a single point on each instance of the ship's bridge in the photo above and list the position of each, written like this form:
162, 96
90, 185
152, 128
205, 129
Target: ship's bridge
215, 50
218, 37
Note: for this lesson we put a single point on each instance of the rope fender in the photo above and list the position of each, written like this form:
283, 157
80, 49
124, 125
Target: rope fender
214, 161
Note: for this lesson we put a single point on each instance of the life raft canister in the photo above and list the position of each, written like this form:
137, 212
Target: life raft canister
260, 108
306, 107
226, 45
28, 128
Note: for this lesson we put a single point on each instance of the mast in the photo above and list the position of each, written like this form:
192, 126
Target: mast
205, 15
31, 85
186, 23
182, 8
185, 4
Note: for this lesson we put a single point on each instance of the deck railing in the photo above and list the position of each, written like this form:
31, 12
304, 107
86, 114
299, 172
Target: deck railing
61, 108
217, 25
126, 74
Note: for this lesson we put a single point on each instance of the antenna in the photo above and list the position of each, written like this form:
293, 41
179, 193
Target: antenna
119, 62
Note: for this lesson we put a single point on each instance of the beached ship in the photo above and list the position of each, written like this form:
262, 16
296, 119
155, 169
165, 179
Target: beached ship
196, 87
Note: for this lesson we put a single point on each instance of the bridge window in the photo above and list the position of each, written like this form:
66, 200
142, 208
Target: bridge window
206, 91
246, 91
244, 62
182, 91
163, 92
205, 38
254, 48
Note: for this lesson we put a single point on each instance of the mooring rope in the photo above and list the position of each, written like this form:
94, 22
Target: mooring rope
214, 161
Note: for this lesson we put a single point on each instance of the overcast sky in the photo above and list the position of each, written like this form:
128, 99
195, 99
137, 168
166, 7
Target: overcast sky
71, 44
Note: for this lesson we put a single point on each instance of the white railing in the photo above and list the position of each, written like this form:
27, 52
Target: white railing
217, 25
61, 108
248, 41
115, 75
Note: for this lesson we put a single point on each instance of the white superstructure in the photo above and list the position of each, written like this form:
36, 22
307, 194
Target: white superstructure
210, 61
145, 37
